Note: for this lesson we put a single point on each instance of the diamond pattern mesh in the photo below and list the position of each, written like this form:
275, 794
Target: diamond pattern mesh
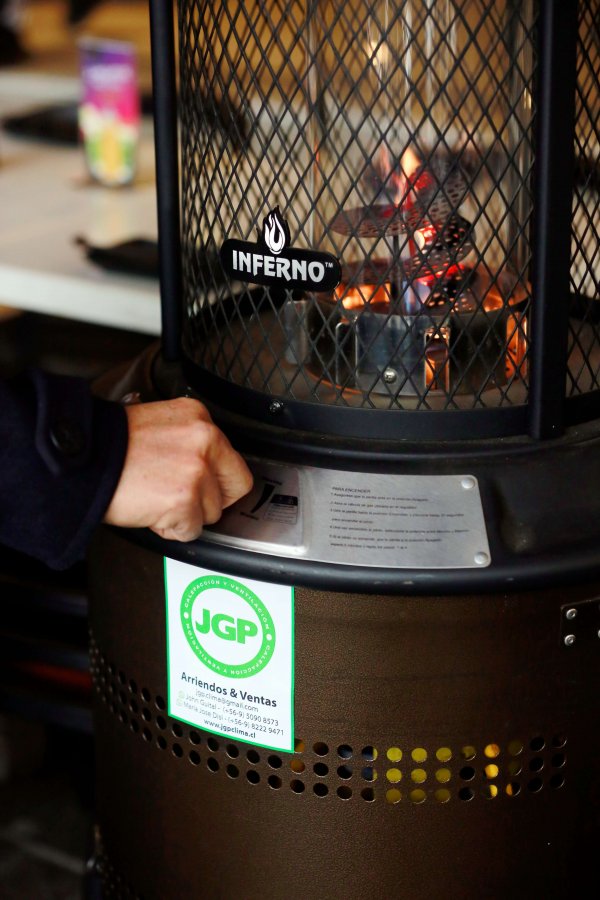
584, 330
397, 136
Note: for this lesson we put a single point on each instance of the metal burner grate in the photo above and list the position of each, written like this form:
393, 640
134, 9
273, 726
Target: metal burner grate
400, 138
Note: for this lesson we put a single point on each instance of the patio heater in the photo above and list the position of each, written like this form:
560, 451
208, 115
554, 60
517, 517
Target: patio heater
380, 243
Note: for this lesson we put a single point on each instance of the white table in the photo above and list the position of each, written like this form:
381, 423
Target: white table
46, 201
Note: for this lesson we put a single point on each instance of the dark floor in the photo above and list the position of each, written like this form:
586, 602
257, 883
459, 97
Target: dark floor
45, 811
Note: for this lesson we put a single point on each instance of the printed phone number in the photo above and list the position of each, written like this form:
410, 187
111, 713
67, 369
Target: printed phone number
253, 717
258, 727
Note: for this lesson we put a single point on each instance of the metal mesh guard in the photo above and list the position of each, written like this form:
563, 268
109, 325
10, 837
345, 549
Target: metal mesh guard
397, 137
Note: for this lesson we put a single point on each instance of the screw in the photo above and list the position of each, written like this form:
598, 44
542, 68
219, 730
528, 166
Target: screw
569, 640
275, 407
468, 483
571, 613
389, 376
481, 558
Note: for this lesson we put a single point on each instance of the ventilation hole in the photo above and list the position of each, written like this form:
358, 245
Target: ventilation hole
296, 765
123, 697
297, 786
320, 748
444, 754
393, 796
368, 794
321, 769
344, 772
232, 771
419, 755
275, 762
133, 687
558, 760
195, 737
134, 726
122, 678
393, 775
160, 703
320, 789
160, 740
466, 794
274, 781
514, 767
491, 771
418, 776
146, 695
513, 789
161, 722
133, 706
442, 795
489, 791
212, 764
177, 729
213, 744
344, 751
147, 734
443, 775
467, 773
537, 744
535, 785
557, 781
394, 754
515, 748
559, 740
177, 750
536, 764
146, 715
369, 773
253, 757
252, 776
112, 669
122, 717
369, 753
194, 758
232, 751
468, 752
417, 795
344, 792
491, 751
299, 746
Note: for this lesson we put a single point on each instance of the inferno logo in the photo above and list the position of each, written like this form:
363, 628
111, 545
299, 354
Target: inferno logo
275, 233
272, 262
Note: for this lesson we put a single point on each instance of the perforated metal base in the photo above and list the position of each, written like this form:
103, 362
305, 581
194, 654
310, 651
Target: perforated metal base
444, 748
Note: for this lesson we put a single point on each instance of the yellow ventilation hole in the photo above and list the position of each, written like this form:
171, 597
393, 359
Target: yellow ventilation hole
419, 755
394, 754
393, 775
393, 796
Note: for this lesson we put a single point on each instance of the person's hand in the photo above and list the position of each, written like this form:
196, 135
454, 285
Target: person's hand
180, 471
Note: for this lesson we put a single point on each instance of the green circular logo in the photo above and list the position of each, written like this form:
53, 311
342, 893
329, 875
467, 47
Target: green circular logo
239, 631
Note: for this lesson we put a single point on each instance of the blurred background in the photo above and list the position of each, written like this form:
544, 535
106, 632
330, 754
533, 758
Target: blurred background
71, 301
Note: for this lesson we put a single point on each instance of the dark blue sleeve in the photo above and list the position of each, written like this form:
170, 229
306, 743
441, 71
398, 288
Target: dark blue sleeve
61, 455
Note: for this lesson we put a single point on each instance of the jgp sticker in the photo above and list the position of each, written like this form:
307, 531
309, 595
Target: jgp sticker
230, 655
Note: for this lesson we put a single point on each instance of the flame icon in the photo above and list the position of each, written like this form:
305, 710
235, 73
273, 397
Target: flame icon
275, 231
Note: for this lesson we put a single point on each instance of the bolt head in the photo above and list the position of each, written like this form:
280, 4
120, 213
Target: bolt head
389, 376
275, 407
569, 640
571, 613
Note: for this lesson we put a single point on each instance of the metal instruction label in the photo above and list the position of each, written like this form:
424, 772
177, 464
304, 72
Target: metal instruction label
404, 521
230, 651
359, 518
